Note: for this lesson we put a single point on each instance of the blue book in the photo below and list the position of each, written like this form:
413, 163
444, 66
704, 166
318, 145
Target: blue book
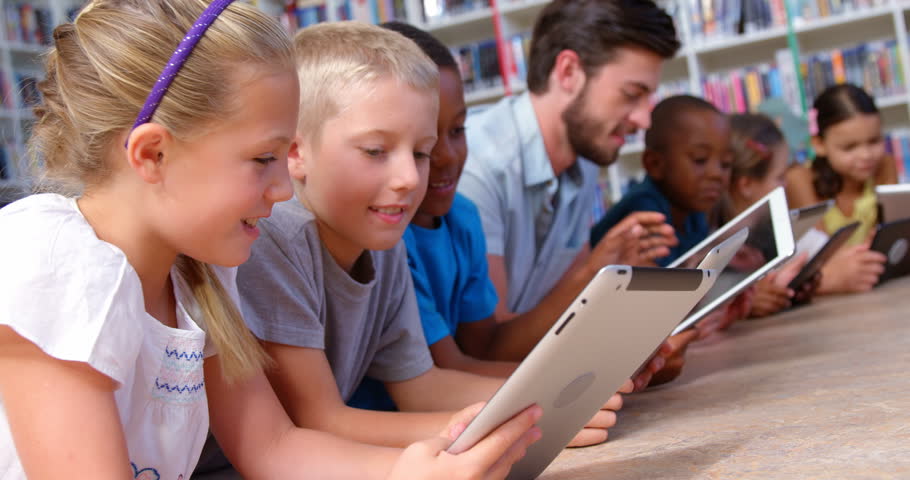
905, 150
4, 165
775, 84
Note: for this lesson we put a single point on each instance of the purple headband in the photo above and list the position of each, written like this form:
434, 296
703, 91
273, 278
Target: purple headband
179, 57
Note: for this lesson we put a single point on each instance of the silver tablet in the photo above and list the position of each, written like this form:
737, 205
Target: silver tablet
769, 244
803, 219
893, 201
721, 255
591, 350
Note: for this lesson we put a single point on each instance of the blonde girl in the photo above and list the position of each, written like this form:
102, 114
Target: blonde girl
120, 336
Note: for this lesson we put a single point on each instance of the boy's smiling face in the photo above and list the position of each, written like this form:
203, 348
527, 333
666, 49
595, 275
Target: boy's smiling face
366, 173
450, 152
695, 169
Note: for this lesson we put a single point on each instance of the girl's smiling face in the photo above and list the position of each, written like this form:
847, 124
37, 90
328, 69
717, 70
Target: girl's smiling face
854, 147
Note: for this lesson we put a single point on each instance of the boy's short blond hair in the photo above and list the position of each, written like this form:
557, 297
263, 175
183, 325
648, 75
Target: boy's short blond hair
334, 59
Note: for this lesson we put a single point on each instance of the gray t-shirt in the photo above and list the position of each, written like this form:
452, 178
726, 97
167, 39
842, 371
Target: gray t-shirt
367, 322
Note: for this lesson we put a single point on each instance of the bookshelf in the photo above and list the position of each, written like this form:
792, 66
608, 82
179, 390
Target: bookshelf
778, 39
792, 35
25, 31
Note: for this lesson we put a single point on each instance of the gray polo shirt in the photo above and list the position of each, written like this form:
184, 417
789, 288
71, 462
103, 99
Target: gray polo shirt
537, 221
294, 293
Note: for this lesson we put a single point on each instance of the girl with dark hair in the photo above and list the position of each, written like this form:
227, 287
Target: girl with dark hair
850, 161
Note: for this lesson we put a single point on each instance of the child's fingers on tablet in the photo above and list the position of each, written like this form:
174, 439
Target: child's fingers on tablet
642, 380
666, 348
461, 419
872, 256
602, 419
508, 435
866, 281
589, 436
769, 302
514, 453
614, 403
872, 268
626, 387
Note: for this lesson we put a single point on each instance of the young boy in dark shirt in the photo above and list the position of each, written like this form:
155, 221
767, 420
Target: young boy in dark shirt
688, 161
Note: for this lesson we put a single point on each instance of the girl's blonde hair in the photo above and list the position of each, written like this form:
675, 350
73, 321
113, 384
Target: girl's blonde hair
98, 75
335, 58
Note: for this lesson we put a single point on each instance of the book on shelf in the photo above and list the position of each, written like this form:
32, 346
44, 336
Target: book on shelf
874, 66
602, 199
436, 10
897, 144
304, 13
479, 65
5, 173
743, 90
709, 19
7, 100
372, 11
520, 49
28, 24
806, 10
7, 158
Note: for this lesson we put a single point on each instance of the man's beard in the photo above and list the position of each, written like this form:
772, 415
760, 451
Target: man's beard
583, 132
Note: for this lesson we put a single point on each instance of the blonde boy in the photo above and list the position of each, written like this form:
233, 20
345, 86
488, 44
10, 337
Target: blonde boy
327, 288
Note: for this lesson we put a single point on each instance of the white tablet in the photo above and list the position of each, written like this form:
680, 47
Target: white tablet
893, 202
803, 219
769, 244
592, 349
723, 253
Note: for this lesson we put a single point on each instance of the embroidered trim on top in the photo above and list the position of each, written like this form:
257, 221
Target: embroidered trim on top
180, 378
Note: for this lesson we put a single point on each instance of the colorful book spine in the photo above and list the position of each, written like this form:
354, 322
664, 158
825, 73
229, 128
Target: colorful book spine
874, 66
28, 23
434, 10
808, 10
5, 164
712, 19
897, 144
521, 51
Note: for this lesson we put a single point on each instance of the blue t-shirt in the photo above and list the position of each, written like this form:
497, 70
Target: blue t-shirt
449, 269
647, 197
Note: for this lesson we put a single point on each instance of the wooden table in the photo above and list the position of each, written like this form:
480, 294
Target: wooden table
819, 392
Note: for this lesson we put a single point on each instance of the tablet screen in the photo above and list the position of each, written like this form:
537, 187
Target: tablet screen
758, 249
803, 219
769, 243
